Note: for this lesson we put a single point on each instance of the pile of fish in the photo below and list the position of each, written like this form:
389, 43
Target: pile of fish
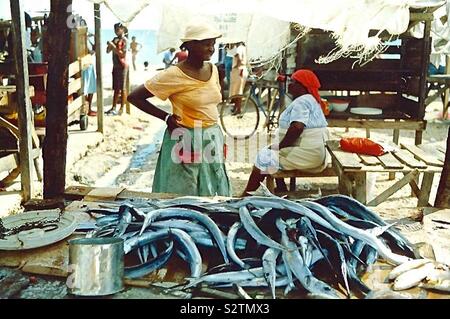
321, 246
423, 273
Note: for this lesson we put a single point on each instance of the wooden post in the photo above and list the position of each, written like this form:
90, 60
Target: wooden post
443, 194
55, 144
99, 69
447, 92
23, 97
423, 77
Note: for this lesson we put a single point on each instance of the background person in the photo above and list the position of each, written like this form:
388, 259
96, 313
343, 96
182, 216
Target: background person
118, 47
168, 57
135, 47
239, 75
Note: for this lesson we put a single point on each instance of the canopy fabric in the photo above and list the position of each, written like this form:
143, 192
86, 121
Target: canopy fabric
266, 21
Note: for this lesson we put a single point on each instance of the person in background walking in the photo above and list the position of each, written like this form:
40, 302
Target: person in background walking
118, 47
135, 47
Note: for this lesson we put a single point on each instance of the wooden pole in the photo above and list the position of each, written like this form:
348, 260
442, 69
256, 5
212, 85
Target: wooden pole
98, 54
23, 97
423, 76
443, 193
55, 144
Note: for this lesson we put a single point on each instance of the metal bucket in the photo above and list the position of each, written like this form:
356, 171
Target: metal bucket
96, 266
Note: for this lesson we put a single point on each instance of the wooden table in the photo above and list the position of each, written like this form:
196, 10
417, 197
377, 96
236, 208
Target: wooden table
411, 161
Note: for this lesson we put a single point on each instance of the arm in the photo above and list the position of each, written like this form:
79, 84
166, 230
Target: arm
113, 47
294, 132
139, 99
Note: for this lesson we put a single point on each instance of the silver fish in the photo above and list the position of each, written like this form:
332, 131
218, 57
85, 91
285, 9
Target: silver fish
357, 234
231, 242
269, 262
254, 231
299, 269
185, 241
206, 221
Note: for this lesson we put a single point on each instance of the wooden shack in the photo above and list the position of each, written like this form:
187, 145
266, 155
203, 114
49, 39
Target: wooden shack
394, 81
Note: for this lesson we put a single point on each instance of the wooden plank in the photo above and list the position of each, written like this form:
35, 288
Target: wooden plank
369, 160
74, 68
8, 163
420, 154
74, 86
75, 106
378, 124
328, 172
425, 189
345, 159
406, 158
394, 188
389, 161
99, 67
23, 97
107, 194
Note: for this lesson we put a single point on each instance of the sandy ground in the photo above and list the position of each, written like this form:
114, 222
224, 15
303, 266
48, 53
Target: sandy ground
127, 157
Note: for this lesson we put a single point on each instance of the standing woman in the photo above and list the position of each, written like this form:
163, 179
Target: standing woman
191, 161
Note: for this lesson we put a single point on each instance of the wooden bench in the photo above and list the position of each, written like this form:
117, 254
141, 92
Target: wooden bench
293, 175
411, 161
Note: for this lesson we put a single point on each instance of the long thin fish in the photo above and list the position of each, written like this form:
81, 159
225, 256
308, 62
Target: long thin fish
254, 231
206, 221
357, 234
269, 261
231, 242
150, 266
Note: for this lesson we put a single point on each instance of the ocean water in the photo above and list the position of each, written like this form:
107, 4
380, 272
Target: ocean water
148, 39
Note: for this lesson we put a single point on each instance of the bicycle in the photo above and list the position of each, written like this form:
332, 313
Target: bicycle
245, 124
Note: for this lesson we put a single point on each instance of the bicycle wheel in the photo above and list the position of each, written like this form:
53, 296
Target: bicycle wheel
241, 126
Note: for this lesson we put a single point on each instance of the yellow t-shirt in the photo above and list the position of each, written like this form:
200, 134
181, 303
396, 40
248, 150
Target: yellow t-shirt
192, 100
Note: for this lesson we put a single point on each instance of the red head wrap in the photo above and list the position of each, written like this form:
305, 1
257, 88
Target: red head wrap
310, 81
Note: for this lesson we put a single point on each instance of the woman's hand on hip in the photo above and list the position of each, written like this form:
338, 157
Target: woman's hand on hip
172, 122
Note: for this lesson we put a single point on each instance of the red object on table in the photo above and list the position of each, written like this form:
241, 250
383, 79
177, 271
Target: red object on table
362, 146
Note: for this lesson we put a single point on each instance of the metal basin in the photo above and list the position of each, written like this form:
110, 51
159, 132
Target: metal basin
96, 266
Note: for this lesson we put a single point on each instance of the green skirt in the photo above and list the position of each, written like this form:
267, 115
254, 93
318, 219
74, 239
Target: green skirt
192, 163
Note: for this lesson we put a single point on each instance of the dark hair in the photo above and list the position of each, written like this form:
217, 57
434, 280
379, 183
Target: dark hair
118, 25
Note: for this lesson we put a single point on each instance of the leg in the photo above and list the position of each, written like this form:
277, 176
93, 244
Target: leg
237, 105
254, 182
281, 185
134, 62
115, 100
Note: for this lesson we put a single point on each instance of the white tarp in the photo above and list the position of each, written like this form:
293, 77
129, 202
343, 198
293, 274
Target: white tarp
263, 35
349, 20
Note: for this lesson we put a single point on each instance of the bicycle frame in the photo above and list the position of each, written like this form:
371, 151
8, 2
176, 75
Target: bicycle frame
275, 102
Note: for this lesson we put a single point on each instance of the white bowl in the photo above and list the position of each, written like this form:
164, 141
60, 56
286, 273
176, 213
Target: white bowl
339, 106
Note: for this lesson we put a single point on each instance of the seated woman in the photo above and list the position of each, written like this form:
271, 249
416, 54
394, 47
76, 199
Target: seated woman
303, 134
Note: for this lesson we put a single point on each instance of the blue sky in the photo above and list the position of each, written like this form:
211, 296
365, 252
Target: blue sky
149, 18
